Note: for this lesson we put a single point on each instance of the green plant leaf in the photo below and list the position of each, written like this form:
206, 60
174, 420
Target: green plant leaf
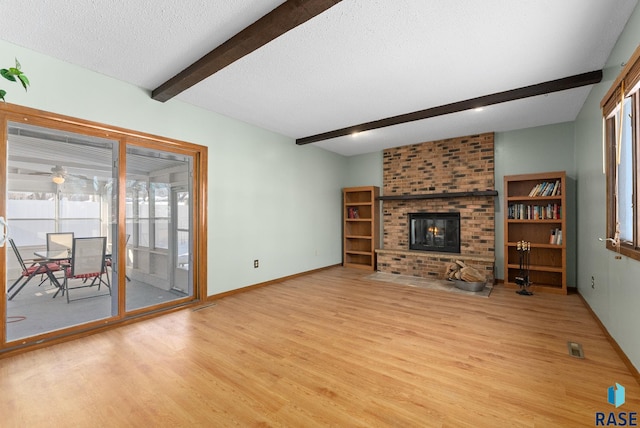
11, 74
7, 74
24, 80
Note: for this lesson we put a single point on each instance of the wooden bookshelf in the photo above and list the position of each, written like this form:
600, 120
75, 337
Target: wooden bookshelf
536, 218
361, 226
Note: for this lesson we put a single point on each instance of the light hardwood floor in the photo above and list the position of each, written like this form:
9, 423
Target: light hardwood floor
329, 349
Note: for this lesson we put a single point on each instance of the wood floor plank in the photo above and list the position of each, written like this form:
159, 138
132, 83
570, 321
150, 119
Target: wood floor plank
332, 348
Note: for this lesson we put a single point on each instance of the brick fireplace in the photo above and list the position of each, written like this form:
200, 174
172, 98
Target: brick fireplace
447, 176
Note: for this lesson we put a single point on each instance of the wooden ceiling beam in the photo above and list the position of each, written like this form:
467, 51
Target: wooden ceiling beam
285, 17
570, 82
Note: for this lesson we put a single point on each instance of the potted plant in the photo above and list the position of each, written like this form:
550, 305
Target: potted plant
14, 74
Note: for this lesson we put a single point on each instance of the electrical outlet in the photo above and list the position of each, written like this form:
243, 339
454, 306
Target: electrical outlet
593, 282
256, 263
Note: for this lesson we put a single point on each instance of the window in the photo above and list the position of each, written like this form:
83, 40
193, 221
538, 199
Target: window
183, 228
32, 215
621, 149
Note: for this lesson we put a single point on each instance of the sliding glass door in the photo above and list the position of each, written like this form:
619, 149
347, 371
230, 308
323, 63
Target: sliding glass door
58, 182
102, 226
158, 188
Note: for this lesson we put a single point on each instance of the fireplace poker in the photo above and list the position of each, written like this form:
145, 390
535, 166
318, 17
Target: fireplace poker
524, 250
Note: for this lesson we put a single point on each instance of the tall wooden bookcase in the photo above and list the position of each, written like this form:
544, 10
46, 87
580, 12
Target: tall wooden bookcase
361, 227
538, 217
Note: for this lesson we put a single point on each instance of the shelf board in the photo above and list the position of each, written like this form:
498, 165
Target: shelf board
539, 268
547, 288
358, 237
364, 266
358, 219
357, 204
534, 198
361, 253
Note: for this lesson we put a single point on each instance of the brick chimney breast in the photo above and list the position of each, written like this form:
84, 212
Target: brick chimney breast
461, 164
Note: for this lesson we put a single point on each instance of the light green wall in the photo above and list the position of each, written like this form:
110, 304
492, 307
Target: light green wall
269, 199
616, 296
364, 170
533, 150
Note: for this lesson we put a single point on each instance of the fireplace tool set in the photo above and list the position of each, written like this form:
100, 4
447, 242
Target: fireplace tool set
524, 250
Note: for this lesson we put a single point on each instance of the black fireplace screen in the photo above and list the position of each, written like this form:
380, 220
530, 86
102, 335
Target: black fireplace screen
434, 232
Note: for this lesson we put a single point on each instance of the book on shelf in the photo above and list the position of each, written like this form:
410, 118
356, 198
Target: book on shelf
546, 188
352, 212
535, 212
555, 237
537, 189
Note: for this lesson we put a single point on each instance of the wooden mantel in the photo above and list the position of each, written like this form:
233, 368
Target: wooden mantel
445, 195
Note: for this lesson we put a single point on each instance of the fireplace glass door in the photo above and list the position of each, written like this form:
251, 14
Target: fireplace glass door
434, 232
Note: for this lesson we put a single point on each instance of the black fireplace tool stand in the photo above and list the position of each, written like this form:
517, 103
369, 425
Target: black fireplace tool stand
522, 280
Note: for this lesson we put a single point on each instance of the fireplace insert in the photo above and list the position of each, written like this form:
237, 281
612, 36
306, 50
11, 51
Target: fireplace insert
434, 232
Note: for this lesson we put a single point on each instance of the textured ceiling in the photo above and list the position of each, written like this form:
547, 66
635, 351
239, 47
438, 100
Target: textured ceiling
361, 60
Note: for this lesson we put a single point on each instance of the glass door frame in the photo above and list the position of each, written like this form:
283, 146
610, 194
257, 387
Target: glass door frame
175, 231
199, 154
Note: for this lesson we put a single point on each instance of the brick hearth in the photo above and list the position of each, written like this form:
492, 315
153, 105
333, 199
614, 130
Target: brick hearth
464, 164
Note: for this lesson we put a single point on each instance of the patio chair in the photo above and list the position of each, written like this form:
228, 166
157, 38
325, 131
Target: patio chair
87, 262
27, 273
60, 241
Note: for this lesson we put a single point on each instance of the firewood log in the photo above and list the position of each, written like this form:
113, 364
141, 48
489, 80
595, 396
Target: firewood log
451, 267
471, 274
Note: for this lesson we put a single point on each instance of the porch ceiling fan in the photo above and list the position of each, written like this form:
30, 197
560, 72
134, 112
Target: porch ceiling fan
58, 174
